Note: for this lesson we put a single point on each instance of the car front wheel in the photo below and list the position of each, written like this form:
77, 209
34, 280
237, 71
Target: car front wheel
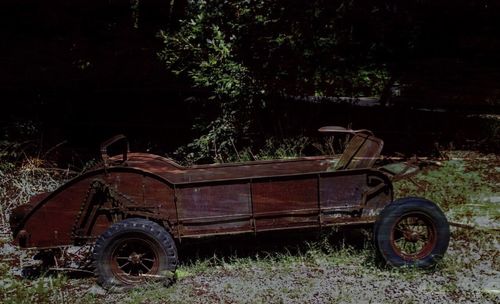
412, 231
134, 251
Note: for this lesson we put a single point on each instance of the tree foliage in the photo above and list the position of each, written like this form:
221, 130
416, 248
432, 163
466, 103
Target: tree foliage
246, 54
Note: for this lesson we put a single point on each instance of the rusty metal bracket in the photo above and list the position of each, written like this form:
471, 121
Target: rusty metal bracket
105, 145
337, 129
101, 198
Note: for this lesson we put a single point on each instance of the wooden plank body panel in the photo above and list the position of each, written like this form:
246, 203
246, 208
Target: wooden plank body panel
285, 202
214, 208
176, 174
342, 191
51, 223
299, 194
151, 195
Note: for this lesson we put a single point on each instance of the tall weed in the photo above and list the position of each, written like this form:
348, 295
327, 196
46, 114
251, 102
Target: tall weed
19, 183
449, 185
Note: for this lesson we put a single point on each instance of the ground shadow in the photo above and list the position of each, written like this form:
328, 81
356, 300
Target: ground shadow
273, 243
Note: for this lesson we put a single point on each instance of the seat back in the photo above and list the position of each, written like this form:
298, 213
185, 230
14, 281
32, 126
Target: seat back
361, 152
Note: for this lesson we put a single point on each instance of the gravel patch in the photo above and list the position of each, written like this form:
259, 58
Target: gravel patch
470, 273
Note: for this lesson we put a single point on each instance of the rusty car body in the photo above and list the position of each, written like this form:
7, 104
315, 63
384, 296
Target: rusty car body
136, 207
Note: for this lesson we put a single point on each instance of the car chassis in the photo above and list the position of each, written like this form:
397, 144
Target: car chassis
135, 208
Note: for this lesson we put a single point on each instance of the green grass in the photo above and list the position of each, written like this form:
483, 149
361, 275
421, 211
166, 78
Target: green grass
327, 274
323, 272
462, 186
43, 290
320, 270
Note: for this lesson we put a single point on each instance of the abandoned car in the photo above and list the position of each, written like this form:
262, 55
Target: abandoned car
135, 208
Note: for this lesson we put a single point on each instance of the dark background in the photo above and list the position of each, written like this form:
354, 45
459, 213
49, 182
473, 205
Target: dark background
79, 71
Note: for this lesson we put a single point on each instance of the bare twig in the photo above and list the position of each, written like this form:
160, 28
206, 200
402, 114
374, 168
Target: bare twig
467, 226
53, 148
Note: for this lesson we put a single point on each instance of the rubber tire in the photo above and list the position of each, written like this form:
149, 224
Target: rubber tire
138, 227
401, 207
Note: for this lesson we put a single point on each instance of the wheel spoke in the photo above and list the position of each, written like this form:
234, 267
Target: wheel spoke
403, 246
400, 229
400, 239
411, 249
423, 237
135, 258
402, 226
122, 258
146, 267
411, 236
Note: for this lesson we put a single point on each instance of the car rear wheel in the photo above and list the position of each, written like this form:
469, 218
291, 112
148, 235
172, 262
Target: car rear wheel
412, 231
134, 251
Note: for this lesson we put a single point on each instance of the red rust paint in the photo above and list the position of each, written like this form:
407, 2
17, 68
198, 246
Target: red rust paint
308, 192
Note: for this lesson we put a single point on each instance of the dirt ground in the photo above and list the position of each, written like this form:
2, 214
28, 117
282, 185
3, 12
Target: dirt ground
318, 269
470, 273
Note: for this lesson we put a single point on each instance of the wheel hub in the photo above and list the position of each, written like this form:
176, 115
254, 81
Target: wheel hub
412, 236
135, 258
